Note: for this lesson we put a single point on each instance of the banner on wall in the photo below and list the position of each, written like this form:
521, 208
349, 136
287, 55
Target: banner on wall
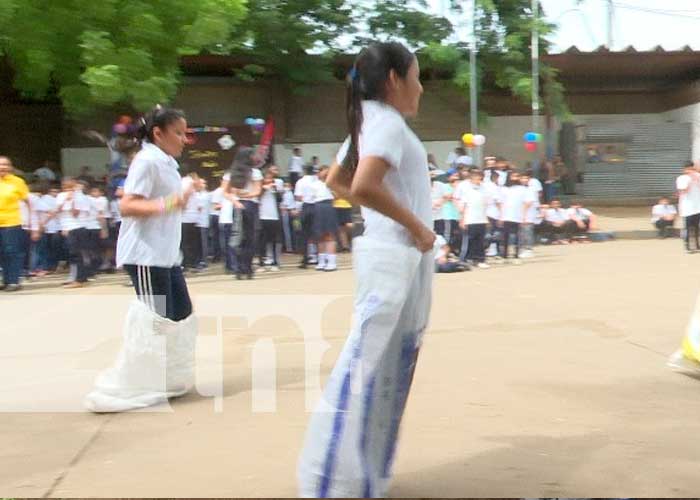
211, 150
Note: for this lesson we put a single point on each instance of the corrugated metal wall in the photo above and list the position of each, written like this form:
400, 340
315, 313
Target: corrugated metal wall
656, 151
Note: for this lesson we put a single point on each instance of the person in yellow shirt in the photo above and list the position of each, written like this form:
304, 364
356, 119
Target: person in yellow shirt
343, 210
13, 192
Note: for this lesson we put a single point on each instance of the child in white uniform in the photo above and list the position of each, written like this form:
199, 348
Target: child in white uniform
157, 357
382, 167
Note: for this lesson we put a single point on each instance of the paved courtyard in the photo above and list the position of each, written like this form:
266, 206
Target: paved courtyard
540, 380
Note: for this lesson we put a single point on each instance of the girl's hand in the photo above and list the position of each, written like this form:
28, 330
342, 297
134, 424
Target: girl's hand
424, 239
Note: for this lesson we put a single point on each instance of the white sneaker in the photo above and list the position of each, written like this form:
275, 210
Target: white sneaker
516, 262
273, 269
483, 265
526, 254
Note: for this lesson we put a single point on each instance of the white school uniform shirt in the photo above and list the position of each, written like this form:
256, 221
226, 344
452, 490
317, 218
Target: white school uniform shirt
535, 186
255, 176
53, 225
321, 192
502, 177
660, 211
305, 188
30, 212
437, 193
268, 202
296, 164
115, 210
152, 240
579, 213
514, 200
464, 160
216, 198
475, 201
97, 207
556, 215
288, 201
689, 202
386, 135
226, 215
203, 207
190, 215
65, 207
493, 193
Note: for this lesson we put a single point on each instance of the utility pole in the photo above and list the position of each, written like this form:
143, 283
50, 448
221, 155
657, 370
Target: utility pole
611, 17
535, 67
473, 105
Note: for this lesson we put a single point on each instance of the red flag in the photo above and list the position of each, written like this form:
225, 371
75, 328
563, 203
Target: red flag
268, 136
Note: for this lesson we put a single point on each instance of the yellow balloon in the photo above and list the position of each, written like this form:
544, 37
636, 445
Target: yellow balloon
468, 138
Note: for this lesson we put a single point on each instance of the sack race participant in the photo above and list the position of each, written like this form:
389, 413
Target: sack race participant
156, 361
687, 358
351, 438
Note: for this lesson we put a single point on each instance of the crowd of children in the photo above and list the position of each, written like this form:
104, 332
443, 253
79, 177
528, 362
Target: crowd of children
498, 214
481, 216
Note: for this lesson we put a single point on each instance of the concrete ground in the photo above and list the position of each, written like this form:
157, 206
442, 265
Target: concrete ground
540, 380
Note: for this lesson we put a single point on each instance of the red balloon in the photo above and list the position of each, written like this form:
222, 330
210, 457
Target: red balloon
531, 146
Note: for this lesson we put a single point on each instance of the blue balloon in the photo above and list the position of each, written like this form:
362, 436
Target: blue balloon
531, 137
250, 121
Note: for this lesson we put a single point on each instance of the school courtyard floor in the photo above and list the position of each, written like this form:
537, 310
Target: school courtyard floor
541, 380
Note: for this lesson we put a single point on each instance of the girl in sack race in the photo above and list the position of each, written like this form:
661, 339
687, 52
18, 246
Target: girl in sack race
382, 166
156, 360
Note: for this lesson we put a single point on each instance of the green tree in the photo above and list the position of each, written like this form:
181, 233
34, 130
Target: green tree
294, 41
503, 30
108, 52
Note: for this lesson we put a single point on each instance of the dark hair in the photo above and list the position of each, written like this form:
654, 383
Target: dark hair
689, 164
509, 181
367, 81
158, 117
242, 167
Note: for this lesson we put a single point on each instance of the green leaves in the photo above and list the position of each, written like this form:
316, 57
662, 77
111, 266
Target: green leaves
110, 52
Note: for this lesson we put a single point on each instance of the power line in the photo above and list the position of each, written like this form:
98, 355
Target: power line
660, 12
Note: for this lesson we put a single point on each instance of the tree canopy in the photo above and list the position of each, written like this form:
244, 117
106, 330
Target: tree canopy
126, 52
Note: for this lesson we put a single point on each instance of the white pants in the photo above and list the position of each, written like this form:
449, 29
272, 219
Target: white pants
352, 435
156, 362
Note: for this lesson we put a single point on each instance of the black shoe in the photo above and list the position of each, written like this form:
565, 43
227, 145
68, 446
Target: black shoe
249, 276
303, 265
239, 277
2, 287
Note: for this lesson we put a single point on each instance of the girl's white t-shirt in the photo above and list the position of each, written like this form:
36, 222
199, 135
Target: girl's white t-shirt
321, 192
514, 200
268, 202
688, 202
154, 240
65, 207
556, 215
49, 205
536, 187
437, 199
203, 207
475, 203
493, 193
215, 199
226, 215
386, 135
190, 214
288, 201
660, 211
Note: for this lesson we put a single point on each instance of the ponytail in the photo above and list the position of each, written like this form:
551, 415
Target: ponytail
158, 117
367, 81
